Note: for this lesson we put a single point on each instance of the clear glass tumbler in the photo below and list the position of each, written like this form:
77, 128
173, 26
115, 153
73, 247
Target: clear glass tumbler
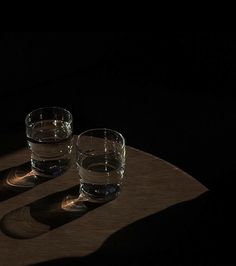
49, 135
100, 163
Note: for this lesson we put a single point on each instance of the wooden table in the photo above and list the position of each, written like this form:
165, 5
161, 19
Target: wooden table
150, 185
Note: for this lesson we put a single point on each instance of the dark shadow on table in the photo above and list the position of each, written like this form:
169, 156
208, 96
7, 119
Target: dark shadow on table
24, 174
12, 140
199, 232
42, 216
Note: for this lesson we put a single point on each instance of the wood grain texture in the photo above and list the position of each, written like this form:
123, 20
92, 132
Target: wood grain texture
150, 185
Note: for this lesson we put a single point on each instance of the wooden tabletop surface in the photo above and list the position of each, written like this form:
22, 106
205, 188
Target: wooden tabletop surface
150, 185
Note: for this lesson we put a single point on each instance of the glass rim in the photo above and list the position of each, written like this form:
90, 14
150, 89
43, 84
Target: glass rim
50, 108
101, 129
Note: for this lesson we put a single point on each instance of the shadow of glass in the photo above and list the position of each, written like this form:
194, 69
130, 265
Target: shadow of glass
42, 216
18, 179
191, 232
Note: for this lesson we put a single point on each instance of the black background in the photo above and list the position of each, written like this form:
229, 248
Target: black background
170, 94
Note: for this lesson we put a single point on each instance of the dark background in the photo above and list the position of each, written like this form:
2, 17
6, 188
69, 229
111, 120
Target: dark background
170, 94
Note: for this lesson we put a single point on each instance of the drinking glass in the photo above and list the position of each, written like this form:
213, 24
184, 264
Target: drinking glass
49, 137
100, 162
